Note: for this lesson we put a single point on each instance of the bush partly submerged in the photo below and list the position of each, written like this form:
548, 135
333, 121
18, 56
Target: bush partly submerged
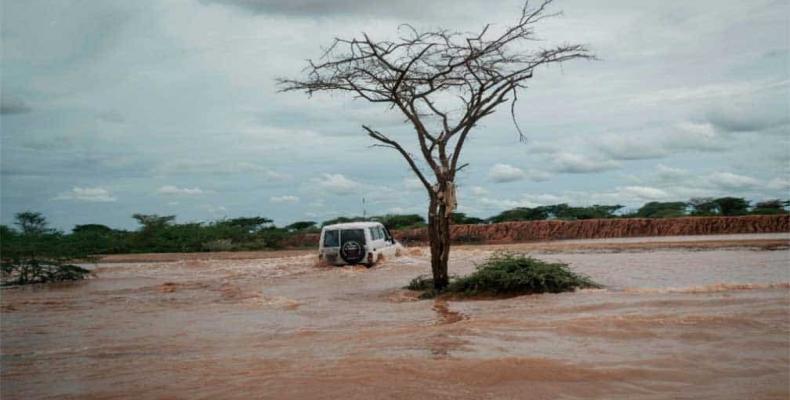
508, 274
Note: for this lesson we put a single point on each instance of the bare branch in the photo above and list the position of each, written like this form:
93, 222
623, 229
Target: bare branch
453, 78
387, 142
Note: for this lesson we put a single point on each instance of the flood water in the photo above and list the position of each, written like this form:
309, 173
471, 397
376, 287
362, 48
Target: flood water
670, 324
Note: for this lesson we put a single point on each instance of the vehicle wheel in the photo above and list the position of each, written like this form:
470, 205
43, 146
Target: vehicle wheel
352, 252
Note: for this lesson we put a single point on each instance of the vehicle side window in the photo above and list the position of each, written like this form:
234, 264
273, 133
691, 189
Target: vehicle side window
387, 234
373, 234
381, 232
331, 239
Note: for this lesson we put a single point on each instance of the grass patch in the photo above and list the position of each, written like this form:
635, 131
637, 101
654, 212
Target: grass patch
424, 284
509, 274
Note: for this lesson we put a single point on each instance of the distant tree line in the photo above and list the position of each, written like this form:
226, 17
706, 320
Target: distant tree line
158, 233
696, 207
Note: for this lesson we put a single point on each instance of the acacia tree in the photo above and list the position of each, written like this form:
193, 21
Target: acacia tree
444, 83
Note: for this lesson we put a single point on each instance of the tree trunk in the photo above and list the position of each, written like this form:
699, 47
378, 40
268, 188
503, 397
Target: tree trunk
439, 238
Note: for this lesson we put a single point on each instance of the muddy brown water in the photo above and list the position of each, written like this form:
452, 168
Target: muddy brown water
672, 323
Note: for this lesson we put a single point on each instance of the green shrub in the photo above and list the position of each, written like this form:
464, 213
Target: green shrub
36, 253
510, 274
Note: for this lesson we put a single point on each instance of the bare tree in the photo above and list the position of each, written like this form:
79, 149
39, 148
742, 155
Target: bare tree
444, 83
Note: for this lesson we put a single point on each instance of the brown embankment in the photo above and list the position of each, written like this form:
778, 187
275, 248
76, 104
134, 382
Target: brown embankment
530, 231
542, 231
539, 231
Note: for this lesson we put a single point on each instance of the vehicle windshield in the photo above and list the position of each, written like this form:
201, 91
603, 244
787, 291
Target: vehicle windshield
331, 238
357, 235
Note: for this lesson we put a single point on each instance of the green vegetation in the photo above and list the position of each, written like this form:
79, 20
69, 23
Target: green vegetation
770, 207
461, 218
401, 221
656, 209
509, 274
302, 226
161, 233
391, 221
343, 220
697, 207
557, 211
35, 253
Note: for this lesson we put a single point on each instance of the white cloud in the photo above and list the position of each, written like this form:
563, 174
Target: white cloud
502, 173
215, 211
526, 200
642, 192
407, 210
338, 184
542, 148
479, 191
170, 190
94, 194
284, 199
695, 136
572, 163
727, 90
199, 167
505, 173
632, 147
761, 112
779, 184
728, 180
504, 204
413, 184
669, 174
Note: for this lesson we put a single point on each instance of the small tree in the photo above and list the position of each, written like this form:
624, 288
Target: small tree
95, 238
769, 207
463, 219
703, 206
521, 214
444, 83
301, 226
657, 209
37, 253
732, 205
400, 221
342, 220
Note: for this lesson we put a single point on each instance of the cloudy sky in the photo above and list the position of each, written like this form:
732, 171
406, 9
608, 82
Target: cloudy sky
110, 108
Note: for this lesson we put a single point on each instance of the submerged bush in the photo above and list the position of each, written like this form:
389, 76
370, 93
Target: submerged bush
26, 271
422, 282
36, 253
510, 274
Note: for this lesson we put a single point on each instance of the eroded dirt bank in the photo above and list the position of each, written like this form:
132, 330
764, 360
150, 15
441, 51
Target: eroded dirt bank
529, 231
672, 323
532, 231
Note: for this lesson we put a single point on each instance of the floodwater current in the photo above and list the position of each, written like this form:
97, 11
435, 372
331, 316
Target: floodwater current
669, 324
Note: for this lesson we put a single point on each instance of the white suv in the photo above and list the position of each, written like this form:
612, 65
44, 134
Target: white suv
356, 243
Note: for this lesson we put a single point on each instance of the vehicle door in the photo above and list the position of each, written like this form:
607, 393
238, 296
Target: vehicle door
389, 241
377, 239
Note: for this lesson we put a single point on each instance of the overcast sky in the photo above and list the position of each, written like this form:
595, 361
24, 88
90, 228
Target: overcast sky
111, 108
